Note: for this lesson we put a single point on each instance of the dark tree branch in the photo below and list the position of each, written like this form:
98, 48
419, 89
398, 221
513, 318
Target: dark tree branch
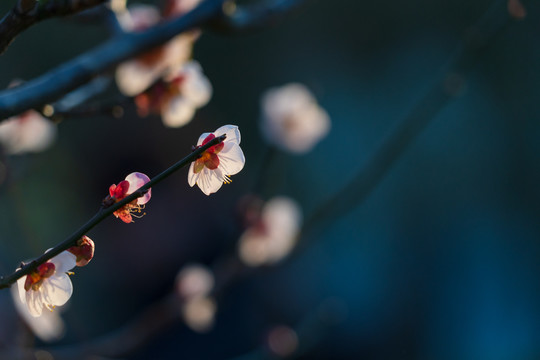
28, 12
54, 84
254, 16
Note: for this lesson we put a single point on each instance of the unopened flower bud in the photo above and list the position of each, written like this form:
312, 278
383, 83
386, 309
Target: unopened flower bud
83, 251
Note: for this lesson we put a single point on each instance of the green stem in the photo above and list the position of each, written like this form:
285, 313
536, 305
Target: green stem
102, 213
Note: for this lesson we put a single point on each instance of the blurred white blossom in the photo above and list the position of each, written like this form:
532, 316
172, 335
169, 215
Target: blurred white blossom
193, 285
292, 119
177, 96
28, 132
274, 235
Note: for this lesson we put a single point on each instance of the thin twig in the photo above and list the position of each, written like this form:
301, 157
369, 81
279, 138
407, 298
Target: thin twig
28, 12
103, 213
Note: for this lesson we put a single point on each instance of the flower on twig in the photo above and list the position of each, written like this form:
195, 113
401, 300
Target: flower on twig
292, 119
27, 132
124, 188
177, 96
273, 235
218, 162
47, 286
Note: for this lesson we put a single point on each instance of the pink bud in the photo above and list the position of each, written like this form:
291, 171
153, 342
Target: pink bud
84, 250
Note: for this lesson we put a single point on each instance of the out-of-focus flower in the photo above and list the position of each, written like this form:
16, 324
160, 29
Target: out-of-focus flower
218, 162
48, 327
193, 285
272, 237
194, 281
47, 286
28, 132
199, 313
136, 75
83, 251
126, 187
282, 341
177, 96
292, 119
516, 9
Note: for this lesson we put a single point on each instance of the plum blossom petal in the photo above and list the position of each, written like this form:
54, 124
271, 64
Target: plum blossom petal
197, 88
136, 180
133, 76
177, 112
231, 159
28, 132
232, 133
63, 262
292, 119
57, 290
273, 237
48, 327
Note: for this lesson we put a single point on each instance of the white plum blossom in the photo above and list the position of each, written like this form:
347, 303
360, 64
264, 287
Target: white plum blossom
292, 119
274, 235
218, 162
28, 132
47, 286
177, 96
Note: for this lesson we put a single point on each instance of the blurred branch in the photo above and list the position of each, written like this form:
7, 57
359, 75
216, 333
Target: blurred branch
446, 88
103, 213
28, 12
255, 16
72, 74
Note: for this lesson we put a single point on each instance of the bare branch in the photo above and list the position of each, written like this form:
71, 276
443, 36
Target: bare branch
54, 84
103, 213
28, 12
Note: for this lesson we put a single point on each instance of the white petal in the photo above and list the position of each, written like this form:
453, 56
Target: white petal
139, 17
133, 77
20, 289
231, 159
34, 302
178, 50
196, 87
64, 261
232, 132
48, 327
192, 177
210, 181
136, 180
28, 132
178, 112
57, 289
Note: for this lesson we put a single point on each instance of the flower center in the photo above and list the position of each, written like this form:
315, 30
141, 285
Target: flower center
209, 158
36, 277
